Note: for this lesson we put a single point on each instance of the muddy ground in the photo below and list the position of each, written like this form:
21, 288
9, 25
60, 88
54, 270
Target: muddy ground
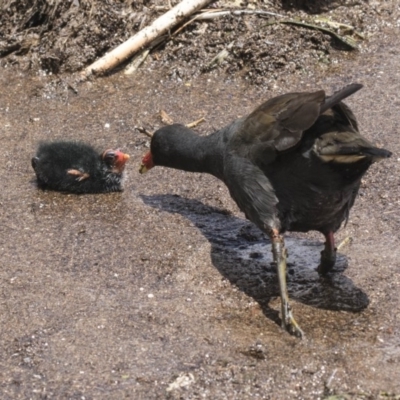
165, 290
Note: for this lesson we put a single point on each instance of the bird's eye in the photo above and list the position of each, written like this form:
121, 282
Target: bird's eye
108, 155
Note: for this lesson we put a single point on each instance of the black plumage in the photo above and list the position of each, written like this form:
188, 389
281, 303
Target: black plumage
76, 167
294, 164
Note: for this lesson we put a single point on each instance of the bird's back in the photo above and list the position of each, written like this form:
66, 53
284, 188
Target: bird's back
316, 183
53, 160
311, 155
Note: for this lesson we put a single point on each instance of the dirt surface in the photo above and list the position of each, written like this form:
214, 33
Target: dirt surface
57, 36
165, 290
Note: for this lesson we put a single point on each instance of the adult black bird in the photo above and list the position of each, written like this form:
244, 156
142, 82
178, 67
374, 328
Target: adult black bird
294, 164
77, 168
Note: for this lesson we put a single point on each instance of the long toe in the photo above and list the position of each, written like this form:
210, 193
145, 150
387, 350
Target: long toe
290, 324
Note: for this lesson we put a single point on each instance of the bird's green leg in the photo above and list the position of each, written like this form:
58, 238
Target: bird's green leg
279, 252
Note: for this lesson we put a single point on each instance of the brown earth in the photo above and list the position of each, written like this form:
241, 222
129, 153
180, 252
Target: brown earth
165, 290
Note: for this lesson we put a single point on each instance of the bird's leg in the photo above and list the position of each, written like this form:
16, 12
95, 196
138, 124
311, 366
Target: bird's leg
279, 253
80, 176
328, 255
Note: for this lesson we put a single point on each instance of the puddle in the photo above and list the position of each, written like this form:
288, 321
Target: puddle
242, 254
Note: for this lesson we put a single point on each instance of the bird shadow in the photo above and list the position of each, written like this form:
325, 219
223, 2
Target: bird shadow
242, 254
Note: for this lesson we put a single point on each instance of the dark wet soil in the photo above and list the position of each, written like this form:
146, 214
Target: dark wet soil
165, 290
59, 37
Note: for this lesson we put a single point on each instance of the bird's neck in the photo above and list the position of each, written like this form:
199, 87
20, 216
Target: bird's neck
194, 153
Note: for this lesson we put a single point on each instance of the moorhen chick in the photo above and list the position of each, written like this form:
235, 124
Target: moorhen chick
294, 164
78, 168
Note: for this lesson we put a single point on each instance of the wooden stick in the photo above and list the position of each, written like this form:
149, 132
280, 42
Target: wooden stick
346, 40
165, 118
195, 123
212, 14
144, 37
344, 242
136, 62
189, 125
220, 57
144, 131
140, 57
217, 14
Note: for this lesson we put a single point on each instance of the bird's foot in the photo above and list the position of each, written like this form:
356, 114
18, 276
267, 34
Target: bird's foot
328, 256
328, 260
289, 323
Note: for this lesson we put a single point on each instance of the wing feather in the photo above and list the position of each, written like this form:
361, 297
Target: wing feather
252, 191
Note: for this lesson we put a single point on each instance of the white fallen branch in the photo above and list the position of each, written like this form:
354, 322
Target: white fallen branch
161, 25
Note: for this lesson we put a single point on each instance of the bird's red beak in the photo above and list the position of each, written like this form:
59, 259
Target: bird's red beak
120, 161
147, 163
116, 159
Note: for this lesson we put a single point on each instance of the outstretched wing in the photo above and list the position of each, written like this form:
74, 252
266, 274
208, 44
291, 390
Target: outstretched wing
252, 192
282, 120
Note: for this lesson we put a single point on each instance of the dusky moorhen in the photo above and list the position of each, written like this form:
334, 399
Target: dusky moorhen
294, 164
76, 167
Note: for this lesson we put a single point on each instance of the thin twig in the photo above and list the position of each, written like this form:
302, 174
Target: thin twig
165, 118
220, 57
217, 14
190, 125
207, 15
344, 242
348, 41
328, 383
136, 62
195, 123
143, 130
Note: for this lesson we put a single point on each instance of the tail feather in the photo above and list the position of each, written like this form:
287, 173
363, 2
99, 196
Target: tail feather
356, 150
339, 96
351, 154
